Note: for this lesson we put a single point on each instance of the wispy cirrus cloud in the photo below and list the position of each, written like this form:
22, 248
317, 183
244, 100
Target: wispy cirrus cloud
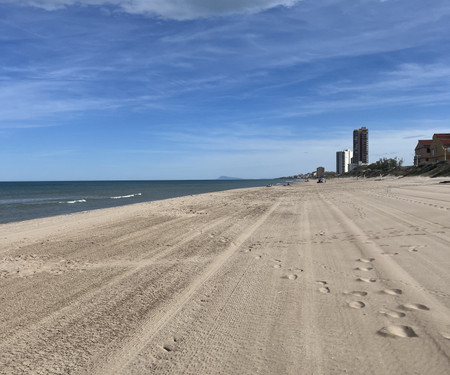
409, 84
405, 77
46, 102
172, 9
306, 107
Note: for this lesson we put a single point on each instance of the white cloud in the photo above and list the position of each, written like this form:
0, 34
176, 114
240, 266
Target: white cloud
305, 107
405, 77
172, 9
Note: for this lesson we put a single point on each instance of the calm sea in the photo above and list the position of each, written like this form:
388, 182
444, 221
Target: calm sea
30, 200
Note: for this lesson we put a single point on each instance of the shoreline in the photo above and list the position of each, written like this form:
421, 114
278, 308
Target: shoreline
333, 181
347, 276
33, 200
126, 205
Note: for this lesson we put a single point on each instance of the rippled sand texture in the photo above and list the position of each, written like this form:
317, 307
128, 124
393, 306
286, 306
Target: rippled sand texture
351, 276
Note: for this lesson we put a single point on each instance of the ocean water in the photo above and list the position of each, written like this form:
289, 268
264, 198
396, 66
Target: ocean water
29, 200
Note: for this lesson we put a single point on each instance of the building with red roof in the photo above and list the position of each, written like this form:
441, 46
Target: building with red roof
422, 152
440, 147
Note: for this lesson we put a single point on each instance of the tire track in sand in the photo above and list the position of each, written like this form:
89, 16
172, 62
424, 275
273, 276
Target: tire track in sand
131, 349
40, 331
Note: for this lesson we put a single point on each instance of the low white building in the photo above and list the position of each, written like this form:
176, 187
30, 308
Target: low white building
343, 161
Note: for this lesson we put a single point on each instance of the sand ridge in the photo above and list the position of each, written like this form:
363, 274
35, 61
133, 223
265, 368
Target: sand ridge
350, 276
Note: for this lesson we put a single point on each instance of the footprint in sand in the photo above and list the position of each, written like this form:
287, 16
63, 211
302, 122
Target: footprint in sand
277, 266
365, 260
414, 306
366, 280
358, 293
393, 314
365, 269
323, 289
357, 305
415, 249
391, 292
170, 346
397, 331
290, 277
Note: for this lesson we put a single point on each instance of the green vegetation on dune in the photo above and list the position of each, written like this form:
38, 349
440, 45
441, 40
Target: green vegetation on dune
394, 167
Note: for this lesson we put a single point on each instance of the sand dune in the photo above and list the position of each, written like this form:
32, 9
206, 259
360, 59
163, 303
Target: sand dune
351, 276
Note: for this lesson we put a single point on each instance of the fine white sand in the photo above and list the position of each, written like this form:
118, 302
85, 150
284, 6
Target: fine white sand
351, 276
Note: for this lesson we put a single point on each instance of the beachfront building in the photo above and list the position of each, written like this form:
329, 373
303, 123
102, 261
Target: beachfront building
360, 146
320, 172
422, 153
343, 161
440, 147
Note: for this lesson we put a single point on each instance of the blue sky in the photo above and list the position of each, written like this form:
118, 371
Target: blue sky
195, 89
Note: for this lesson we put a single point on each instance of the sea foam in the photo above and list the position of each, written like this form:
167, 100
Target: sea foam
126, 196
75, 201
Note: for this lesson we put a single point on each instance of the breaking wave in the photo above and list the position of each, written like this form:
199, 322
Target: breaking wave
75, 201
126, 196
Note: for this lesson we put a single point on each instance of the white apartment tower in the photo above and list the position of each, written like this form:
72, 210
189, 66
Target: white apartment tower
343, 160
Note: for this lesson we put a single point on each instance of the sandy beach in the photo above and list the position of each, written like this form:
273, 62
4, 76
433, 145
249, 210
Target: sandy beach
350, 276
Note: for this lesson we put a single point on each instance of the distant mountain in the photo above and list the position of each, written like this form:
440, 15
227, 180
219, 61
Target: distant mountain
229, 178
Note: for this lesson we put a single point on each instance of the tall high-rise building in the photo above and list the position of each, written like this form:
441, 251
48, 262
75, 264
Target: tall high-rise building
343, 161
320, 172
360, 146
